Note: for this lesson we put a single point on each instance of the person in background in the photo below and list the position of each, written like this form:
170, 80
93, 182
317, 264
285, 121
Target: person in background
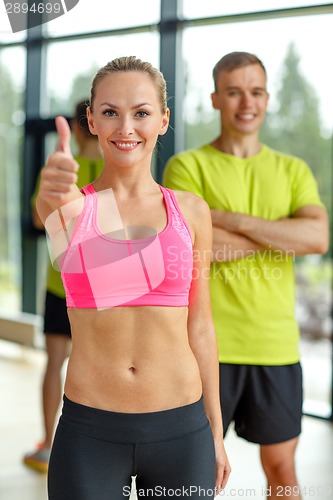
56, 324
265, 211
142, 386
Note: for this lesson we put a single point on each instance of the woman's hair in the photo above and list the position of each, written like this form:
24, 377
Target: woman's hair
131, 63
235, 60
80, 117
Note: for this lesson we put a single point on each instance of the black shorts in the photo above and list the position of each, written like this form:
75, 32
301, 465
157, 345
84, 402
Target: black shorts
265, 402
95, 453
55, 316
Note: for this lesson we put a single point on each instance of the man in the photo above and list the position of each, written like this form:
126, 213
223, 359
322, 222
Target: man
56, 324
265, 211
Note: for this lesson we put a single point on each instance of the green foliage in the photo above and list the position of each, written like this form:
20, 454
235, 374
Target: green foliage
295, 127
10, 96
11, 99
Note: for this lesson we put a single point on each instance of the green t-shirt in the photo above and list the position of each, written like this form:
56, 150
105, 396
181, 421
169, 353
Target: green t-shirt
253, 298
89, 170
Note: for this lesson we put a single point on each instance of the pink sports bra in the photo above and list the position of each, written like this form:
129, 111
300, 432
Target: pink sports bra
101, 272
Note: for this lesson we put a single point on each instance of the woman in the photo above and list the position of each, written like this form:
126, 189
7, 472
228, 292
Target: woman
141, 392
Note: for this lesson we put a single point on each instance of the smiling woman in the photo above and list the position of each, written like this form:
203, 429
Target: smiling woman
121, 114
141, 392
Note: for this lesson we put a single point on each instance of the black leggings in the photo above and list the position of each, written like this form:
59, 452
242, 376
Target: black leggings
95, 453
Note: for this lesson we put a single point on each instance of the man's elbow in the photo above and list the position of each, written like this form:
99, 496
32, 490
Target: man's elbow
321, 246
320, 242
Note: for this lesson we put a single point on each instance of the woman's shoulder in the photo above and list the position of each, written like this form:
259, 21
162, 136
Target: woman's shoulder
190, 200
195, 210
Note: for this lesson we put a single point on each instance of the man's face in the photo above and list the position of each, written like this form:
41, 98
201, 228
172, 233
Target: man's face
241, 97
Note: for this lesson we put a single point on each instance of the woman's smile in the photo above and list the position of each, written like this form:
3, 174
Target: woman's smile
126, 145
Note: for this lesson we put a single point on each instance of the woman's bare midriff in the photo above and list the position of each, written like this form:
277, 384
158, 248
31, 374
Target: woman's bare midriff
132, 359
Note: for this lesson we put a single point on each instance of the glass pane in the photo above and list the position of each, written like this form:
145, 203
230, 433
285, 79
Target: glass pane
88, 16
12, 77
197, 8
303, 129
85, 17
68, 79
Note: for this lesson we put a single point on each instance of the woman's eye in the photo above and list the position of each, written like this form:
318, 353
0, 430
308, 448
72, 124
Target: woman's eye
109, 112
142, 114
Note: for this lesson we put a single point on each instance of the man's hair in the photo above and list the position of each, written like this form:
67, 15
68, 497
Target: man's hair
235, 60
80, 116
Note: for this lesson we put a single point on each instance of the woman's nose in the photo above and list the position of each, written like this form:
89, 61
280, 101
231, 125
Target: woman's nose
125, 126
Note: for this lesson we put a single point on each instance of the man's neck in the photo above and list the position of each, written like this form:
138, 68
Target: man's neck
241, 147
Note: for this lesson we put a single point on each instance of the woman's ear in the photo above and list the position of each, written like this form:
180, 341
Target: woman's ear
165, 122
90, 121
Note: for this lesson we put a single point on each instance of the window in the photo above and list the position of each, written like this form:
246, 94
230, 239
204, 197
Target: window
69, 79
11, 137
88, 16
198, 9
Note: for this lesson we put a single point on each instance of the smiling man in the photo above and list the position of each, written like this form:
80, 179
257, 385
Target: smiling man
265, 210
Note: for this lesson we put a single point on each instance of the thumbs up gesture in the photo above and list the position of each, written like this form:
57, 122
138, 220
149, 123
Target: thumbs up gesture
64, 136
59, 175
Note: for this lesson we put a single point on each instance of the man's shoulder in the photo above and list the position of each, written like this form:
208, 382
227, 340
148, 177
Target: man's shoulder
281, 156
190, 154
184, 171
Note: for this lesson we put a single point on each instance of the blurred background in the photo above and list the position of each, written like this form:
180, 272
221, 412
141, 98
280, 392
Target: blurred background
45, 70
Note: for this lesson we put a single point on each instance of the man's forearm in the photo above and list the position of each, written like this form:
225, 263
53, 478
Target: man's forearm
302, 236
229, 246
305, 233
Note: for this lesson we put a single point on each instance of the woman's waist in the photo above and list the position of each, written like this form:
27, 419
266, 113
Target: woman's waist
153, 382
133, 427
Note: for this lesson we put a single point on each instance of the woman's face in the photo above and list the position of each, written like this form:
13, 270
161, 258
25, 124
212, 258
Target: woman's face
127, 117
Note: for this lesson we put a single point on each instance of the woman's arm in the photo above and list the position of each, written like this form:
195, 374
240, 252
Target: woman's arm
201, 331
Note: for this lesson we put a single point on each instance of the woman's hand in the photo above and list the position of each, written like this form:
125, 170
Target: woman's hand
223, 468
58, 176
